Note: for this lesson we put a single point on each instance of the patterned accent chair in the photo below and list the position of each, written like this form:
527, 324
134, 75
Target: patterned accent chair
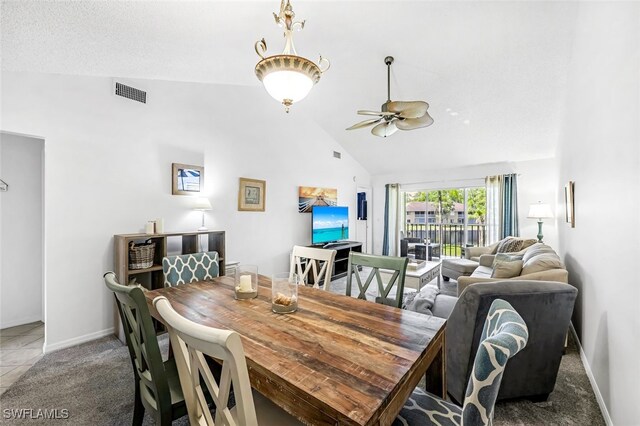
187, 268
504, 335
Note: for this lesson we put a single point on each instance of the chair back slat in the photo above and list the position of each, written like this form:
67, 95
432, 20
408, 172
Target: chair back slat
504, 335
195, 341
314, 257
188, 268
142, 342
396, 265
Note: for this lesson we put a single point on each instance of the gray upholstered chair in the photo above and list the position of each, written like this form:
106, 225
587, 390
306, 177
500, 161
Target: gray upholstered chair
396, 264
504, 334
188, 268
546, 308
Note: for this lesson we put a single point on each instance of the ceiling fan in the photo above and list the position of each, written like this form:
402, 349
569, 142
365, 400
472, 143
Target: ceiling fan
395, 114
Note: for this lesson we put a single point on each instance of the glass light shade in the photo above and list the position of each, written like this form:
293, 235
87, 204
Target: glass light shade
202, 204
285, 84
540, 211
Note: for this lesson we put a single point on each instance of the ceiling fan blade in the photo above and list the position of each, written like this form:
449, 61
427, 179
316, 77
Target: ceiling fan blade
411, 109
382, 113
415, 123
385, 129
364, 123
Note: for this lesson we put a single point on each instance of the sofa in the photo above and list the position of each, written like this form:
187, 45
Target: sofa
545, 306
536, 262
505, 245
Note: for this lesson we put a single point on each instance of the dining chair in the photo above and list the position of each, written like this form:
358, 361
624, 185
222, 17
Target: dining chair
504, 334
157, 386
191, 342
396, 265
313, 258
187, 268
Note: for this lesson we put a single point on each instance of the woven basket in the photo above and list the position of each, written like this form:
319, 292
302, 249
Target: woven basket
141, 255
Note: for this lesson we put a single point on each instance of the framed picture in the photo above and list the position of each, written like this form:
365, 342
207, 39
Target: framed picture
186, 179
568, 202
309, 196
251, 195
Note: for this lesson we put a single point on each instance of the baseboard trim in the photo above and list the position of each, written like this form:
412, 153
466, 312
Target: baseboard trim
21, 321
77, 340
592, 379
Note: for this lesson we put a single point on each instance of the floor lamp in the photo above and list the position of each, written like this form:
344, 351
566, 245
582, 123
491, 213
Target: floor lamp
539, 211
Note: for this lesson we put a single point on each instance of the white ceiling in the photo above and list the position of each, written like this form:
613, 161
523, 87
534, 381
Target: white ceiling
500, 65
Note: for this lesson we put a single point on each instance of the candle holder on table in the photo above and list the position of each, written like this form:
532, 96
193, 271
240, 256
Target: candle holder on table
246, 282
284, 293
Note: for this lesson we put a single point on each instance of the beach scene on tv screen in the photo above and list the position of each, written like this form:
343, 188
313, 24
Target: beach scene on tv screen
330, 224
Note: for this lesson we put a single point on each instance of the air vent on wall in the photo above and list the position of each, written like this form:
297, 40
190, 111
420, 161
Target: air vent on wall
131, 93
336, 154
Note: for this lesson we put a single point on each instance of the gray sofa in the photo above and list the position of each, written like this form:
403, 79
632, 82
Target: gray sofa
545, 306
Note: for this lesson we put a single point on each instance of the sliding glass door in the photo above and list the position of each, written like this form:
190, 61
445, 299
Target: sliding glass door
454, 218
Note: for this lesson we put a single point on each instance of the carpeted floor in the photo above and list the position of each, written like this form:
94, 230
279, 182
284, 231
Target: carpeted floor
94, 382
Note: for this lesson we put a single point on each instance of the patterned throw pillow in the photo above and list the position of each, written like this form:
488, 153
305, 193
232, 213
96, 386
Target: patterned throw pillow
509, 244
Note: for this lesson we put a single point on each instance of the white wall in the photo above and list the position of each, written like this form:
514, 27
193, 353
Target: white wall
108, 171
21, 234
599, 150
536, 182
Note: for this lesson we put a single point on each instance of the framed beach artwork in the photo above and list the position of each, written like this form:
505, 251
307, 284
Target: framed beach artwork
251, 195
186, 179
569, 205
309, 196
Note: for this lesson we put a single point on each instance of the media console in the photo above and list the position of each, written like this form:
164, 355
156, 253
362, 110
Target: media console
341, 263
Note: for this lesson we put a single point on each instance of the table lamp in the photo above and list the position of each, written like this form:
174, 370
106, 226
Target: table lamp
202, 204
539, 211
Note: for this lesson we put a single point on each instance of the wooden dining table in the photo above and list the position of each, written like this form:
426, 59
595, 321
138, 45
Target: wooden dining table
337, 360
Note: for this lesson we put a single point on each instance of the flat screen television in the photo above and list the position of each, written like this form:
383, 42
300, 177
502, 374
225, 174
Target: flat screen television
329, 224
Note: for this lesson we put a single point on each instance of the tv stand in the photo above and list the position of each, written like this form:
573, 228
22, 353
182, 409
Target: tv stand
341, 262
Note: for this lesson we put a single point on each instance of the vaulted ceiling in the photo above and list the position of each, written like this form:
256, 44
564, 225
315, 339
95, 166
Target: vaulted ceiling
493, 72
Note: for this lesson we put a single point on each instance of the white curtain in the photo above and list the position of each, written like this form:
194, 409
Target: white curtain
391, 203
494, 211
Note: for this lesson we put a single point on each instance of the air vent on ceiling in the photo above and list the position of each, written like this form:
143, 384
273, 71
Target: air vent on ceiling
131, 93
336, 154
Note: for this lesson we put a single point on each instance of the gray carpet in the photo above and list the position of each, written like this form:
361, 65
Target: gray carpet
94, 381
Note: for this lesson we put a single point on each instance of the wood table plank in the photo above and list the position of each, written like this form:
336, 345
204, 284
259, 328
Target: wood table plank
336, 360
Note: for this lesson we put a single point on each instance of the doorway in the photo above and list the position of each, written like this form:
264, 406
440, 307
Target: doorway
21, 253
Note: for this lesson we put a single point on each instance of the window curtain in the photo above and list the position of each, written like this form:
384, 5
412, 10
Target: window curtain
390, 238
502, 207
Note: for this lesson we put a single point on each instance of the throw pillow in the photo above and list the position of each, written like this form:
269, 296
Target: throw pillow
506, 268
509, 244
542, 262
506, 257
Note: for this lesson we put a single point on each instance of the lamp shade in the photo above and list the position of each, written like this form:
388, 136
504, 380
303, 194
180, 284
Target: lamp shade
287, 85
540, 211
202, 204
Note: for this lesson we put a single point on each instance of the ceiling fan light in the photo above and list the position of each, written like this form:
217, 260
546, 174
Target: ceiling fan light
385, 129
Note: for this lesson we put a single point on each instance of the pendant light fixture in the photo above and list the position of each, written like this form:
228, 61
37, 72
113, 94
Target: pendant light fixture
288, 77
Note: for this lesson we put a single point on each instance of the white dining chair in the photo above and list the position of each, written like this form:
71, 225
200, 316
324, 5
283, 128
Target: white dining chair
191, 342
313, 257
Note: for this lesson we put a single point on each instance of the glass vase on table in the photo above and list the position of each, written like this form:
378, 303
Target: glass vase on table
284, 292
246, 282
